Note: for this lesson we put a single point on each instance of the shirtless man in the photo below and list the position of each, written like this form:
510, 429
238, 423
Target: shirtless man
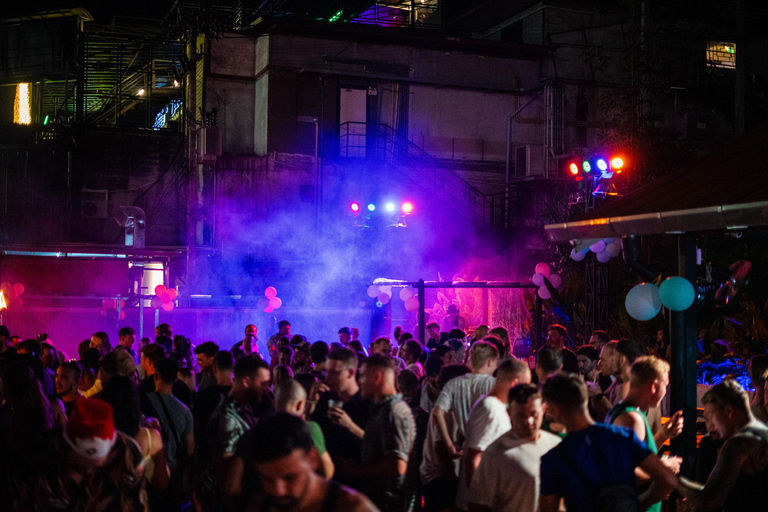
740, 476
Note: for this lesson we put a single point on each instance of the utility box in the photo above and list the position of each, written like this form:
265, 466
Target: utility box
529, 161
208, 143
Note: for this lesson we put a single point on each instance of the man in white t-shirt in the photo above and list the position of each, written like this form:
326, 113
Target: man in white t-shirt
488, 421
459, 395
507, 479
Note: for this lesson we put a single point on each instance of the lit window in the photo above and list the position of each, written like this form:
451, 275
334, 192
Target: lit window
22, 108
721, 55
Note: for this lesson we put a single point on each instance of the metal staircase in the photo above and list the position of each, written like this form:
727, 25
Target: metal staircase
381, 142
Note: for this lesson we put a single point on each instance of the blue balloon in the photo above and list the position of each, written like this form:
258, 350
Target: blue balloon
643, 302
677, 293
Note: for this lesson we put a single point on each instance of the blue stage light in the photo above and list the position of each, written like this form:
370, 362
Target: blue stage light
390, 207
371, 207
602, 164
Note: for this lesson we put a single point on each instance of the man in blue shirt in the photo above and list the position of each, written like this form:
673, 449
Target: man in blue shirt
604, 454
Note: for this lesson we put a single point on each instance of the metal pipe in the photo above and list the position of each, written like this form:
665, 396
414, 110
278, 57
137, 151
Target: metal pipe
634, 262
422, 314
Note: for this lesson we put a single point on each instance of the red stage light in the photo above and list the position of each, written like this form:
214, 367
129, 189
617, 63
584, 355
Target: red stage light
354, 207
407, 207
573, 168
617, 163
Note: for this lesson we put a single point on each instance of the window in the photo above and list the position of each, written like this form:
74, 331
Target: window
721, 55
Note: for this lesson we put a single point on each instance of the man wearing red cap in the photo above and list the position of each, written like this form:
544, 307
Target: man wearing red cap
93, 466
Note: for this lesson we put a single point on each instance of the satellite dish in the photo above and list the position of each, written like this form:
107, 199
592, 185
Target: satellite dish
739, 277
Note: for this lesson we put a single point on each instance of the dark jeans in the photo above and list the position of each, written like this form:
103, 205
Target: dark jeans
440, 494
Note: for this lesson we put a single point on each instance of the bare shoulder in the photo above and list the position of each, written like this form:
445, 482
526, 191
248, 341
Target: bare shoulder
353, 501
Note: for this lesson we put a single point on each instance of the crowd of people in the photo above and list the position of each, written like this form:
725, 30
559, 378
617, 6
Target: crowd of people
453, 424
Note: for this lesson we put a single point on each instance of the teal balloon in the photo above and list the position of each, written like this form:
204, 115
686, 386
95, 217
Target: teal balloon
643, 302
677, 293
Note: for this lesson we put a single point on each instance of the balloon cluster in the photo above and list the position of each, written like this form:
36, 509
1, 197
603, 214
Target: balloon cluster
12, 293
383, 294
644, 301
109, 309
541, 276
164, 297
604, 249
271, 301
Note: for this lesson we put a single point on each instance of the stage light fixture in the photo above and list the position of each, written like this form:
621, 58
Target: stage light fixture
390, 207
586, 166
371, 207
407, 207
140, 92
617, 163
354, 207
573, 168
602, 164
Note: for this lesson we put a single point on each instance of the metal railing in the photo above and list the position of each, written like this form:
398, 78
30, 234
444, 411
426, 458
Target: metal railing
378, 141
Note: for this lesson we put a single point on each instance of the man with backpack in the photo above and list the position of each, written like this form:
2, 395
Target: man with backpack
593, 468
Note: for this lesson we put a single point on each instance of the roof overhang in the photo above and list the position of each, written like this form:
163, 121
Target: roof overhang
712, 218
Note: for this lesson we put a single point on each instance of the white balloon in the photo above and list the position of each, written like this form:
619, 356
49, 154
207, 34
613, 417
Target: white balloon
544, 293
609, 241
555, 280
597, 247
406, 293
373, 291
603, 257
643, 301
538, 279
578, 256
387, 290
613, 250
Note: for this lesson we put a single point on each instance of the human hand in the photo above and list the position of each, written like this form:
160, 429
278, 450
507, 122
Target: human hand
674, 427
593, 389
340, 417
454, 452
317, 389
672, 463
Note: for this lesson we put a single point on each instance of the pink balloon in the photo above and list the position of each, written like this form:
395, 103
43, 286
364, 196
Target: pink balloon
270, 292
538, 279
160, 289
172, 293
18, 288
167, 306
165, 297
268, 309
542, 268
555, 280
383, 298
544, 293
405, 294
275, 303
412, 304
122, 315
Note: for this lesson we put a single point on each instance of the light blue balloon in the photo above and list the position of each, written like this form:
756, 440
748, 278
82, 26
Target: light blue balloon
677, 293
643, 302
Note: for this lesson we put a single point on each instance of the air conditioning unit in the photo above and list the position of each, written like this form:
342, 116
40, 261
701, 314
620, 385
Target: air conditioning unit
529, 161
94, 204
208, 143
